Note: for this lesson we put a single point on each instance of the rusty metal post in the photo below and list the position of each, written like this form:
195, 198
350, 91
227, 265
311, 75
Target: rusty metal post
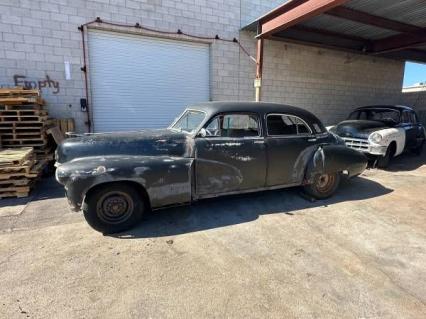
259, 67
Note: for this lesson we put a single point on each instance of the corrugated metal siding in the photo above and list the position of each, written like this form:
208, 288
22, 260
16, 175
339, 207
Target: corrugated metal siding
406, 11
348, 27
144, 82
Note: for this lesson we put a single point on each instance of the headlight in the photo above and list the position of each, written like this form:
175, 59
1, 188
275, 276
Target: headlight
376, 138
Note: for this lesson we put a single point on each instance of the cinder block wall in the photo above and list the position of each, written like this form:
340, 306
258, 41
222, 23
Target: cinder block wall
327, 82
38, 36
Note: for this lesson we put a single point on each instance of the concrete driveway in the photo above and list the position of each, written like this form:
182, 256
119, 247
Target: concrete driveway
361, 254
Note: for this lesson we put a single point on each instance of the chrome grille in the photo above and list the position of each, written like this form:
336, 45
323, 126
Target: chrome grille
356, 143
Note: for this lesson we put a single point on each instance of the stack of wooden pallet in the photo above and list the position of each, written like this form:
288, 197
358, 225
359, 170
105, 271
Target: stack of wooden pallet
23, 122
18, 171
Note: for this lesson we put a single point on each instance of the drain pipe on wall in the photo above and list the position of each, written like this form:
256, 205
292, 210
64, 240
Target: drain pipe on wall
259, 69
86, 83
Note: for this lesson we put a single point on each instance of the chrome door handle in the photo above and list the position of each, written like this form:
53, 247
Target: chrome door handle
259, 142
312, 139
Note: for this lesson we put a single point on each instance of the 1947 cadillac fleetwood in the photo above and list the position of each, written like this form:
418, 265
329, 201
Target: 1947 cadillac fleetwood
212, 149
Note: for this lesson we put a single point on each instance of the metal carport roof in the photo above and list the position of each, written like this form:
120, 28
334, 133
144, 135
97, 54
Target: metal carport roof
387, 28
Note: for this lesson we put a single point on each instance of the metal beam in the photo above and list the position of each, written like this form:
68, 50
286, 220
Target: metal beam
369, 19
399, 42
407, 55
273, 23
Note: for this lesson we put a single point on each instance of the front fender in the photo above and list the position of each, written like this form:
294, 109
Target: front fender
390, 135
329, 159
167, 180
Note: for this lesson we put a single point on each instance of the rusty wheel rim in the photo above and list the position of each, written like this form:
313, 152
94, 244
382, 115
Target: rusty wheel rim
325, 183
114, 207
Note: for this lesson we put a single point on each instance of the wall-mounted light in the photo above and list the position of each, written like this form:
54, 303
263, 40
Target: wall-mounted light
67, 66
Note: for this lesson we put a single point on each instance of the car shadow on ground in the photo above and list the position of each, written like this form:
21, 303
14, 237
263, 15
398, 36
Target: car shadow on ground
407, 162
232, 210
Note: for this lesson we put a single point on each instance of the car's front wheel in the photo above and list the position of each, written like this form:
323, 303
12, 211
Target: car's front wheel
323, 186
384, 161
419, 149
113, 208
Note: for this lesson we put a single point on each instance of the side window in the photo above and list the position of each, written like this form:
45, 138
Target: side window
362, 116
413, 117
405, 117
234, 125
281, 125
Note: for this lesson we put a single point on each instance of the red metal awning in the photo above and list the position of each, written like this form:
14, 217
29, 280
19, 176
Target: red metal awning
387, 28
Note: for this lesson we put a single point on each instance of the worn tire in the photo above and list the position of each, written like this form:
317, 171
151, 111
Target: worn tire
383, 161
113, 208
323, 186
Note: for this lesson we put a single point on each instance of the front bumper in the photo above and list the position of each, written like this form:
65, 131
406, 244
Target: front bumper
363, 145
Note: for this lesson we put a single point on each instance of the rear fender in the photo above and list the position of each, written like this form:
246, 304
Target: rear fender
329, 159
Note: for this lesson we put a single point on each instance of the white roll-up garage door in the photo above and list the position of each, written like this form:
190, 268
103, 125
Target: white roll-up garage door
144, 82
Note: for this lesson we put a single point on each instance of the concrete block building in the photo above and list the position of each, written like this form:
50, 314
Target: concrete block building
145, 60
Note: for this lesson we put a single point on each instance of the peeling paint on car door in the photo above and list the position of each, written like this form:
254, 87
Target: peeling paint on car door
228, 165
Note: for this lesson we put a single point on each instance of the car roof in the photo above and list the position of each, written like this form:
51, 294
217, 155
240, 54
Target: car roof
392, 107
212, 108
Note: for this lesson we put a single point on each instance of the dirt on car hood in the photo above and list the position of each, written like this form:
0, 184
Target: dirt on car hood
358, 128
146, 142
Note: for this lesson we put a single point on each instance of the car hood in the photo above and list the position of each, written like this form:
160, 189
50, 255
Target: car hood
358, 128
146, 142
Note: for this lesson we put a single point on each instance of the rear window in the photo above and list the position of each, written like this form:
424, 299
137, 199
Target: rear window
281, 125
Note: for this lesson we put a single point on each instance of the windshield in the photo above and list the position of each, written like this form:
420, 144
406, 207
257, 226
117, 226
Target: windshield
189, 121
382, 115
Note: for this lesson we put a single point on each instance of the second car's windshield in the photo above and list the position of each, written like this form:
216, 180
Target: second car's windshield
189, 121
383, 115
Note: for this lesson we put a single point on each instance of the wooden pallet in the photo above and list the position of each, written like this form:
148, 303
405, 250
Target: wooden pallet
30, 171
22, 112
24, 168
25, 124
23, 118
65, 125
14, 193
15, 107
18, 175
21, 100
20, 181
22, 134
19, 90
10, 157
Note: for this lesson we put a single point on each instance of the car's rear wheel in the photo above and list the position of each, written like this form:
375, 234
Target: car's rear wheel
113, 208
323, 186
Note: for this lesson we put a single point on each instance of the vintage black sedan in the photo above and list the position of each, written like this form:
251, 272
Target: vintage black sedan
212, 149
382, 131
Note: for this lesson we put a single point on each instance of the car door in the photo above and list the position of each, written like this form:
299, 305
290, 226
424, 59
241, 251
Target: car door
289, 141
231, 157
419, 129
410, 130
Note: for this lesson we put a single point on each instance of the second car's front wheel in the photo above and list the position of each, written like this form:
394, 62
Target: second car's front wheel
113, 208
383, 161
323, 186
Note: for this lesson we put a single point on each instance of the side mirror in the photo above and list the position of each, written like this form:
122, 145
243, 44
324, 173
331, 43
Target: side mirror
202, 132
